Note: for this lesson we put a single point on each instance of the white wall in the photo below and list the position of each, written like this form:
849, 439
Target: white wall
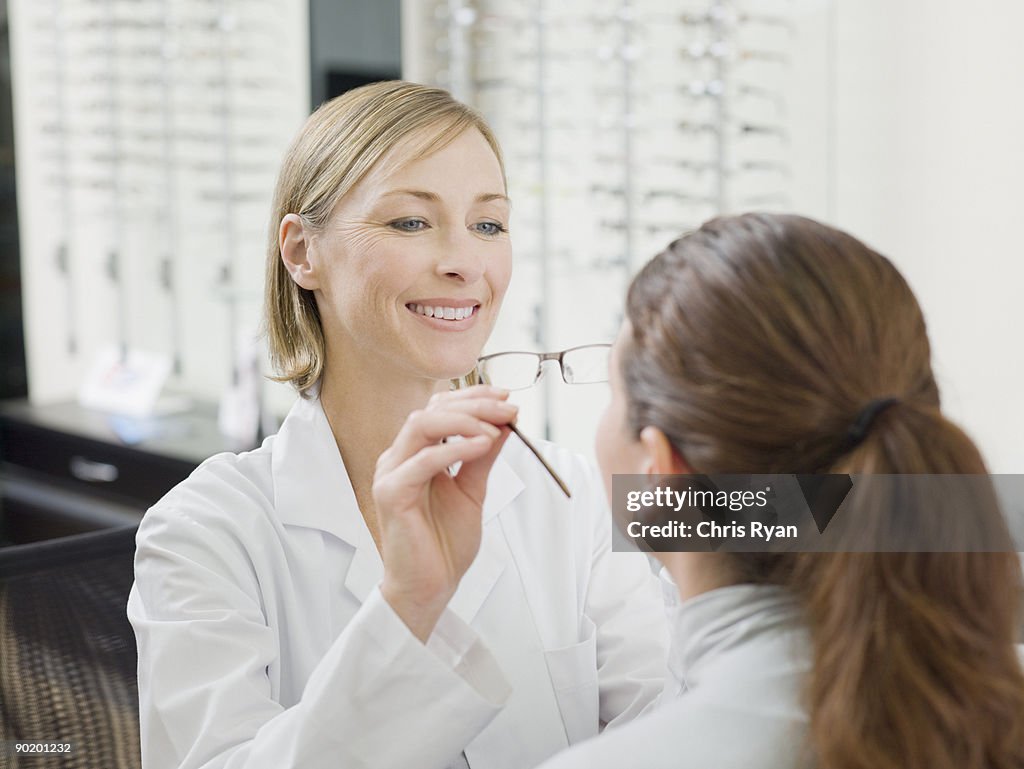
929, 167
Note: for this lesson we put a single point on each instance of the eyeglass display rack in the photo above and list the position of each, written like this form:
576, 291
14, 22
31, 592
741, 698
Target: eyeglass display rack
149, 134
624, 123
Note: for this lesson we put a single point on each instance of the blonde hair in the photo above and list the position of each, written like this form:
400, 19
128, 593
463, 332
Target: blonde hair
337, 146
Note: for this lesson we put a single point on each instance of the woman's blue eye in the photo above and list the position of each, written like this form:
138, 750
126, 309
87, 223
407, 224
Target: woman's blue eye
490, 228
408, 225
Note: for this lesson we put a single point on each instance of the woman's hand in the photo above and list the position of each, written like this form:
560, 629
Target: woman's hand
430, 521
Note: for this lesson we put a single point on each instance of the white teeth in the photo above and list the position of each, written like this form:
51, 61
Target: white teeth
447, 313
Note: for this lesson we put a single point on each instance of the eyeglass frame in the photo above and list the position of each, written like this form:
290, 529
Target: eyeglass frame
546, 356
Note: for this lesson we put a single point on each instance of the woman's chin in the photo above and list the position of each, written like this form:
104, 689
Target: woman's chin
450, 369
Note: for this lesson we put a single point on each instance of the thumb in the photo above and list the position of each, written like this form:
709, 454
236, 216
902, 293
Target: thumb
472, 477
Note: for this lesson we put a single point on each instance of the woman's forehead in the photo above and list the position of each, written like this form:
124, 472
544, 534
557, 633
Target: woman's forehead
465, 161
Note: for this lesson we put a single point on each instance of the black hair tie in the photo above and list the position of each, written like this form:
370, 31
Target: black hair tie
862, 424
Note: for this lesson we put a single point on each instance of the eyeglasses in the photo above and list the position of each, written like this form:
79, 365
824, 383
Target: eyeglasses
587, 364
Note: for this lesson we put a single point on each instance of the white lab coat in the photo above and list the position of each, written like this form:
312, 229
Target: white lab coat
264, 641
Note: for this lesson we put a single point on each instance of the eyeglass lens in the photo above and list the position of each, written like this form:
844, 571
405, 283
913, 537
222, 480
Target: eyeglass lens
520, 370
510, 370
586, 365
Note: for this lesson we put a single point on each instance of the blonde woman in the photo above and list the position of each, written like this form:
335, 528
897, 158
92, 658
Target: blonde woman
336, 598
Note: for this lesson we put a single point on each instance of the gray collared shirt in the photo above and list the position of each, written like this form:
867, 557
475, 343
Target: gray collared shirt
739, 658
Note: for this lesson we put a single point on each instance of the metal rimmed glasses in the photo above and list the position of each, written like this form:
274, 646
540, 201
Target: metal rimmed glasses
586, 364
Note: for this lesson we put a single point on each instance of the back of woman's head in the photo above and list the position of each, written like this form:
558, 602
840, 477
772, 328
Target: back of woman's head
756, 343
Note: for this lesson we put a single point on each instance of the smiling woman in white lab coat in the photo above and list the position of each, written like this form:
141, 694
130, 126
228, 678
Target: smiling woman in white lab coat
337, 598
765, 344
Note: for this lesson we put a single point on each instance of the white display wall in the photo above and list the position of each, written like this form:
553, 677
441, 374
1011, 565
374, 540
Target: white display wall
148, 137
625, 123
896, 121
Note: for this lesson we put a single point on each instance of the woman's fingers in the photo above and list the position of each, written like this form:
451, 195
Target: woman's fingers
472, 477
466, 417
417, 471
498, 412
476, 391
426, 428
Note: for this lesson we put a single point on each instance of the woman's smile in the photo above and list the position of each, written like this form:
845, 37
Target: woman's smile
446, 314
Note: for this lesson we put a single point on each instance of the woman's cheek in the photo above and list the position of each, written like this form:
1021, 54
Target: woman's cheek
501, 276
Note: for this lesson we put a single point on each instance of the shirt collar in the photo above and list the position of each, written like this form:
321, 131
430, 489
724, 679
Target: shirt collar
712, 623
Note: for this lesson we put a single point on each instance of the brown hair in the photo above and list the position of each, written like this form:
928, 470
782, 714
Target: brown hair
756, 342
338, 145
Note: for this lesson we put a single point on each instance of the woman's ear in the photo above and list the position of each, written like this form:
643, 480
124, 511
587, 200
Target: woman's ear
660, 456
293, 238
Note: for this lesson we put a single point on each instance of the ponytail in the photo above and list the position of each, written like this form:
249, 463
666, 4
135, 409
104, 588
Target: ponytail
914, 658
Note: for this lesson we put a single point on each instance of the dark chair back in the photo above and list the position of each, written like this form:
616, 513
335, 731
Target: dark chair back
67, 650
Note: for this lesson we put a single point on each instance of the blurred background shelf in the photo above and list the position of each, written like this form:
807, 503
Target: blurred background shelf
66, 470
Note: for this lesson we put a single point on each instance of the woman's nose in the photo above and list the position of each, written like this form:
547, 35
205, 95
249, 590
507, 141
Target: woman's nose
462, 258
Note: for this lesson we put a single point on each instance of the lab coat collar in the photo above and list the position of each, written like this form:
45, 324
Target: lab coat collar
312, 489
311, 485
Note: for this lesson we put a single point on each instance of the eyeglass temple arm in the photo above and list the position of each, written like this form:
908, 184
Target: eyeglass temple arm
540, 458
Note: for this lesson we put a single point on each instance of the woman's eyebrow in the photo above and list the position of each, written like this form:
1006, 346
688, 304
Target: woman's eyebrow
485, 197
422, 194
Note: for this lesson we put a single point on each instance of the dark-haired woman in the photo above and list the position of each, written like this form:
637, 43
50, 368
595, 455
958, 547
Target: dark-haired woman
752, 346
